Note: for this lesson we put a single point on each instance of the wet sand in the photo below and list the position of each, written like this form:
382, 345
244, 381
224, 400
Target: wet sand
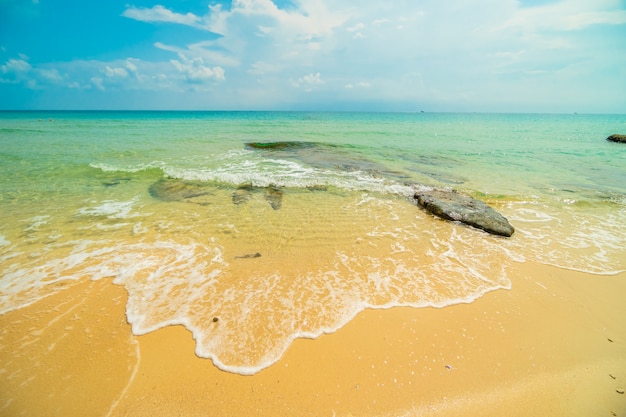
554, 345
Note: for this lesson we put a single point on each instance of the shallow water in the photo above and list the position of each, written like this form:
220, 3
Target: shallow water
252, 248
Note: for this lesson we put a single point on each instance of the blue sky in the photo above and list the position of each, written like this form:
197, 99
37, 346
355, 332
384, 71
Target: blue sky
400, 55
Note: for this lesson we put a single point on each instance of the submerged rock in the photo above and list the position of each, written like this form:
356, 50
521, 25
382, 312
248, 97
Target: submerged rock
274, 196
283, 145
328, 156
179, 190
617, 138
114, 182
317, 187
241, 195
452, 205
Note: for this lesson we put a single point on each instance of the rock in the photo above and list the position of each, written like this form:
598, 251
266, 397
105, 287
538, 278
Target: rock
452, 205
274, 196
285, 145
114, 182
241, 195
619, 391
317, 187
249, 256
617, 138
326, 156
178, 190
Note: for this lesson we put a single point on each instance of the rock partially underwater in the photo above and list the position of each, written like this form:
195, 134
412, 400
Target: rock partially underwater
274, 196
169, 189
617, 138
241, 195
449, 205
285, 145
328, 156
452, 205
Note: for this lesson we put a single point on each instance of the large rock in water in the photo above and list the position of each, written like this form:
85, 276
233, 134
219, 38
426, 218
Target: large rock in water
617, 138
452, 205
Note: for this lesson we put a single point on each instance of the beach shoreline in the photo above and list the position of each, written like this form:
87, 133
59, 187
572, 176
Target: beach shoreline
555, 344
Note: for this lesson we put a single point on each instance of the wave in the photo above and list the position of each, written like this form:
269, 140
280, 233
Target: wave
109, 208
245, 311
259, 314
322, 258
264, 172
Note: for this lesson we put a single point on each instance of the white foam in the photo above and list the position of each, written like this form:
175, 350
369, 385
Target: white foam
177, 280
264, 172
110, 208
36, 222
4, 241
128, 168
100, 259
586, 240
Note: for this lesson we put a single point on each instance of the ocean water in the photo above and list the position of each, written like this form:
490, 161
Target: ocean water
251, 248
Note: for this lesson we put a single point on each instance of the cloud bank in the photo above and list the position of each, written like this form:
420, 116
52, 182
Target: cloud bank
476, 55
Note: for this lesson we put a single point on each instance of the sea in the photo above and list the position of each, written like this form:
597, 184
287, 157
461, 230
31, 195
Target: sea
253, 229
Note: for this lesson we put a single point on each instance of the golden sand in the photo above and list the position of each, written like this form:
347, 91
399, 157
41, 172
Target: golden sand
554, 345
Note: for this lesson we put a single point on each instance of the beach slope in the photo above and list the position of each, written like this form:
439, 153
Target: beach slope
553, 345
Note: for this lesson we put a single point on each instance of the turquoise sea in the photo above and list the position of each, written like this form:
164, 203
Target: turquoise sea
250, 248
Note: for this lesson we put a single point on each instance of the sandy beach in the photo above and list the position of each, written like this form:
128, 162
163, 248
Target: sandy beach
553, 345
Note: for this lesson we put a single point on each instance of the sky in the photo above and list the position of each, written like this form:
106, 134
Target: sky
541, 56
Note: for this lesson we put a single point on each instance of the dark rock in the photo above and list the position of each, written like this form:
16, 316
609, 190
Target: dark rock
317, 187
274, 196
249, 256
617, 138
285, 145
114, 182
452, 205
178, 190
241, 195
326, 156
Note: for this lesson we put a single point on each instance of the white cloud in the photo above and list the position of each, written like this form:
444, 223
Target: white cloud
161, 14
196, 71
51, 75
130, 64
357, 30
564, 15
312, 79
308, 82
15, 66
313, 19
115, 72
209, 51
461, 55
261, 68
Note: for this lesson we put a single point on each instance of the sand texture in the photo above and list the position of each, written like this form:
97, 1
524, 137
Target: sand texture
553, 345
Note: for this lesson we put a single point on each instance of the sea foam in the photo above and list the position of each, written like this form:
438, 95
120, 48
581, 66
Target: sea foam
109, 208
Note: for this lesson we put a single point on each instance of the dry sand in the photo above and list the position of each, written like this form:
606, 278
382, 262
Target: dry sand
554, 345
